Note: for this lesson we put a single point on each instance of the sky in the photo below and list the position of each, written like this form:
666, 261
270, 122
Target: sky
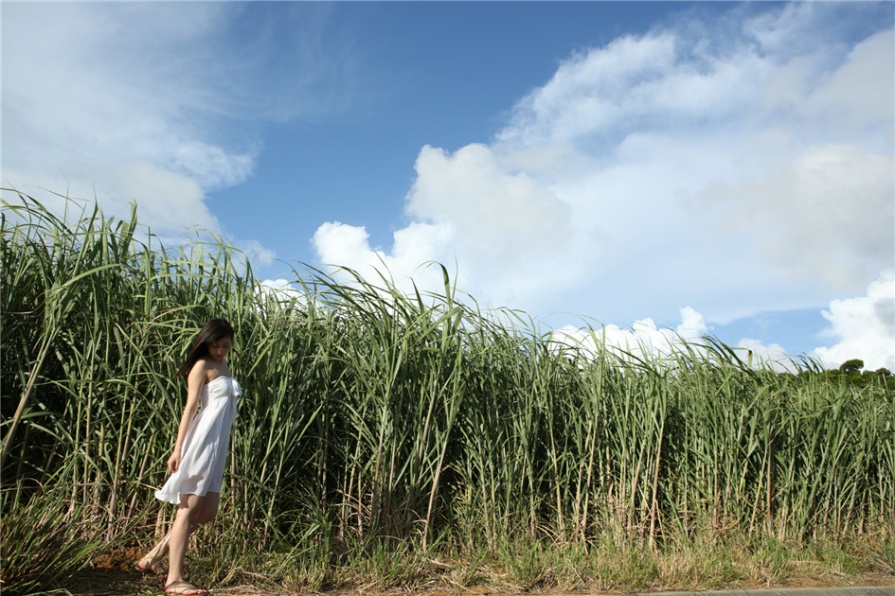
654, 171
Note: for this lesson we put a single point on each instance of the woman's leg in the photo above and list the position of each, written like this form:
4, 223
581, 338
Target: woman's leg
194, 510
208, 508
149, 562
179, 535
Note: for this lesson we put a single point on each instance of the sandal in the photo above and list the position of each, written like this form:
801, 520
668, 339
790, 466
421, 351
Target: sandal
185, 589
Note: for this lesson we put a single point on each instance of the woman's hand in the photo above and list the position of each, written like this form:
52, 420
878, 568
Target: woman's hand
174, 460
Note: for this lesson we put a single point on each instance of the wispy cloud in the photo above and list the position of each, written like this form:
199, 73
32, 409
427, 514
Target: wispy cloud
158, 103
110, 100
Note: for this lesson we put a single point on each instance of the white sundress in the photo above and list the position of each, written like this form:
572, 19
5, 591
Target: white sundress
204, 453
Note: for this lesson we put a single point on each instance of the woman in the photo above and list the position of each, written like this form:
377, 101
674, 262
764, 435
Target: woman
200, 453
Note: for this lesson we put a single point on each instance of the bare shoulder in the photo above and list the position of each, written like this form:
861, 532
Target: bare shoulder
207, 370
200, 372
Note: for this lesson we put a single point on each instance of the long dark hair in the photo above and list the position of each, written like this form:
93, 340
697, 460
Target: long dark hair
214, 330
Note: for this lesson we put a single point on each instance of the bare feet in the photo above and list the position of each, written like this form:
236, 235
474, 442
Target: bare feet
184, 588
150, 564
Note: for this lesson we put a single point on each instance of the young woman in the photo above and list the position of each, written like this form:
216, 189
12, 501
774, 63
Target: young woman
200, 453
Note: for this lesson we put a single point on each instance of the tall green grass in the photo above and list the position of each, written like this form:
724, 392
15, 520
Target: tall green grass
392, 439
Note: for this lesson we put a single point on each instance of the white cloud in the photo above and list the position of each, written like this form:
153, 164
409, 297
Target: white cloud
849, 97
660, 81
487, 204
773, 355
154, 102
281, 291
110, 104
827, 216
644, 339
344, 246
512, 235
738, 165
506, 229
740, 168
165, 199
864, 327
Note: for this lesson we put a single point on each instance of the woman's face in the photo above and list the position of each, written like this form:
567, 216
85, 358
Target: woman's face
219, 349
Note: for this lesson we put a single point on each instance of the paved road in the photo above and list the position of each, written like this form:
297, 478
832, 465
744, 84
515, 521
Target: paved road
860, 591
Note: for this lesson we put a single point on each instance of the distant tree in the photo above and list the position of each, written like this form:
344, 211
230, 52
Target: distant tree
852, 366
884, 376
851, 373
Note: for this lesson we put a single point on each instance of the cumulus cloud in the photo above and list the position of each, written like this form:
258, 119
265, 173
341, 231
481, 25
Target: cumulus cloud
827, 216
863, 327
470, 191
643, 340
513, 236
166, 199
342, 246
281, 291
770, 355
658, 81
737, 165
742, 165
509, 232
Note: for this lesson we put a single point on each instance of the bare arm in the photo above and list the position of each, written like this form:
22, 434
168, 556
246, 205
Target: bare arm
195, 381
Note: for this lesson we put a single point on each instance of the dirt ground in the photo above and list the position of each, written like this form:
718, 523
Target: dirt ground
114, 574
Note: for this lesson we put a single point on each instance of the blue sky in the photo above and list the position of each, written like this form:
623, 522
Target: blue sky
718, 168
